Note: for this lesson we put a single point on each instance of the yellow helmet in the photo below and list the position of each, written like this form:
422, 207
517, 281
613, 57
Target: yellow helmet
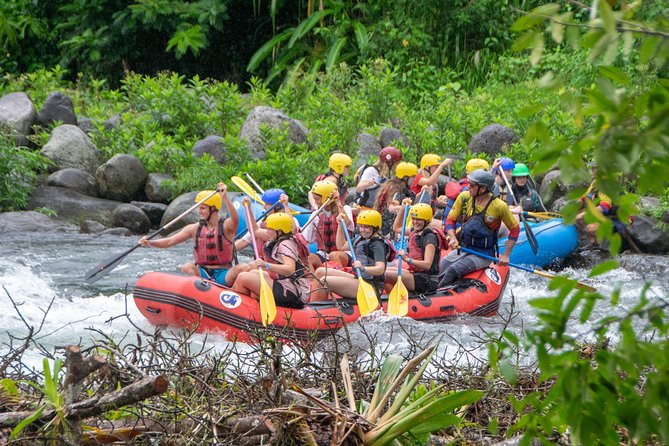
405, 169
370, 218
280, 222
422, 211
429, 160
215, 200
323, 188
475, 164
339, 161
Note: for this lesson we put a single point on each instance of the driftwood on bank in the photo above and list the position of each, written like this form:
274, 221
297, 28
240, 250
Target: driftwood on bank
250, 429
78, 368
137, 391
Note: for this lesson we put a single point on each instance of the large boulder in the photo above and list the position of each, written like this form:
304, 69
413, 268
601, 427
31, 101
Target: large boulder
57, 107
390, 137
275, 119
72, 206
368, 148
213, 145
122, 178
154, 211
491, 139
130, 216
177, 207
31, 221
155, 188
68, 146
17, 116
552, 188
75, 179
647, 236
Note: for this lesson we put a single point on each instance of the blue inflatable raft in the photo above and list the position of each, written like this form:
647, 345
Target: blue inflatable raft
556, 242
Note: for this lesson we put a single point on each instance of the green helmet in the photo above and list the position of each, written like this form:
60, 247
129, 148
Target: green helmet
521, 170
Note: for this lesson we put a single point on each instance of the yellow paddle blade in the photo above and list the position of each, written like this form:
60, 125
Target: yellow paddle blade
367, 300
246, 188
398, 299
267, 304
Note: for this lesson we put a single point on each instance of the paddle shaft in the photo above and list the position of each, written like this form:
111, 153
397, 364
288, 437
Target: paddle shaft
315, 214
96, 273
249, 226
524, 268
404, 227
260, 189
352, 248
528, 230
265, 297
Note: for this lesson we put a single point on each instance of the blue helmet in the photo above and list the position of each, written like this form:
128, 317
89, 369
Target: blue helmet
271, 196
507, 164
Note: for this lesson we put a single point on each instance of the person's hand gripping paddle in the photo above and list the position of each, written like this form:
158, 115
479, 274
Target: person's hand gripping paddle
398, 299
267, 303
367, 300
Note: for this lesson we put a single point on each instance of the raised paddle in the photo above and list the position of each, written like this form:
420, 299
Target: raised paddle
528, 230
580, 285
398, 299
246, 188
260, 189
267, 303
315, 213
94, 274
367, 300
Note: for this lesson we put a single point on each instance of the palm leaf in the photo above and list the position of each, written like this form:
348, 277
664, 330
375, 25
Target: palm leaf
333, 54
307, 25
361, 36
265, 50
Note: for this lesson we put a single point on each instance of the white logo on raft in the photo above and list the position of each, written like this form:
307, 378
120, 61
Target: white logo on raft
493, 275
230, 299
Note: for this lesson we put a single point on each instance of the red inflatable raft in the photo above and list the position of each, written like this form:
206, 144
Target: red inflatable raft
191, 302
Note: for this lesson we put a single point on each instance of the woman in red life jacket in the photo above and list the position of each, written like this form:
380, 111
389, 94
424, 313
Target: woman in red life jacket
270, 197
284, 265
393, 192
212, 235
431, 166
423, 251
339, 164
371, 252
323, 230
370, 177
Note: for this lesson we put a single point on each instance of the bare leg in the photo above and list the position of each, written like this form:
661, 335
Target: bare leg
319, 292
407, 278
314, 262
190, 269
340, 257
235, 271
249, 283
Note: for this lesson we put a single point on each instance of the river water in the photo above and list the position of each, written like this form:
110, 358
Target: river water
37, 269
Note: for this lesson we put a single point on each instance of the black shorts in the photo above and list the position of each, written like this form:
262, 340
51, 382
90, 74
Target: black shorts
425, 283
284, 298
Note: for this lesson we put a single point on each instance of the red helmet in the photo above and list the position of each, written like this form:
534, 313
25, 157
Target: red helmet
390, 155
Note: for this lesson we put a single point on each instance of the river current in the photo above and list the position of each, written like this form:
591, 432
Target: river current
38, 269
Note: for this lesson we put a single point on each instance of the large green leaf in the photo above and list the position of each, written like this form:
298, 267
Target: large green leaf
265, 50
333, 54
307, 25
361, 36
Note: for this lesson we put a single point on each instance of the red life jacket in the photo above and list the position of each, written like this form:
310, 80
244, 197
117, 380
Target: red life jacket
453, 188
416, 248
326, 232
260, 242
342, 187
212, 248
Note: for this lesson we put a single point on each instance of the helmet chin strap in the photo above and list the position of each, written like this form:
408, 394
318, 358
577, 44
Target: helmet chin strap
211, 213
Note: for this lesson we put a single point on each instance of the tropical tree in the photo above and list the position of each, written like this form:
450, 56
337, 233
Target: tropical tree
603, 393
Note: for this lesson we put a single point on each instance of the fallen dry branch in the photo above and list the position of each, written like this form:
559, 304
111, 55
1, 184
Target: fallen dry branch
135, 392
